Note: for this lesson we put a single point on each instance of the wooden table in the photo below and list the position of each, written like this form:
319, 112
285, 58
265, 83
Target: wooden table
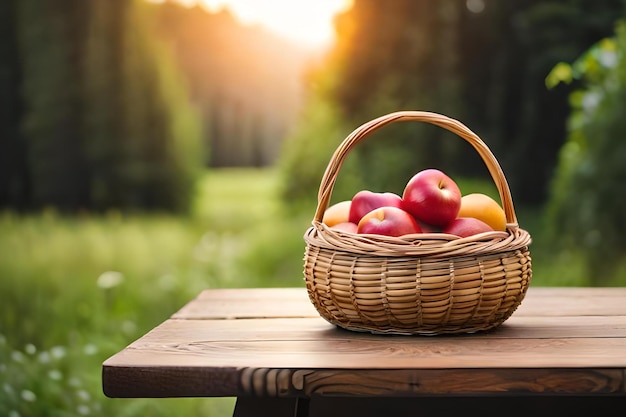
562, 351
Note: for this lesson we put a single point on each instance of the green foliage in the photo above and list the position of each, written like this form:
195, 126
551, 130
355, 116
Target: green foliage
586, 209
592, 66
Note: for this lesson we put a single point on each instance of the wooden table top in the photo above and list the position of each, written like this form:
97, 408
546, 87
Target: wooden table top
272, 343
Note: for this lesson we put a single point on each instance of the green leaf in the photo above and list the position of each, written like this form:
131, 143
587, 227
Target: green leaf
562, 72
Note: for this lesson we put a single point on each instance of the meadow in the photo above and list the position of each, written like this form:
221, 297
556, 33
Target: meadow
75, 290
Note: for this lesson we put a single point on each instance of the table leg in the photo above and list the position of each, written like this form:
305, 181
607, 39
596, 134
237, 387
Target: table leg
271, 407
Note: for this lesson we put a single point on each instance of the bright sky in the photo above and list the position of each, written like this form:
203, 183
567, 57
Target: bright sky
305, 21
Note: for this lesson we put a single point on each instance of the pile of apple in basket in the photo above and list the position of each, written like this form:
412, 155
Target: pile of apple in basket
431, 203
432, 261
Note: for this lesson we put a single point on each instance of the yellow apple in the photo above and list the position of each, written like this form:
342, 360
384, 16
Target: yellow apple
337, 213
482, 207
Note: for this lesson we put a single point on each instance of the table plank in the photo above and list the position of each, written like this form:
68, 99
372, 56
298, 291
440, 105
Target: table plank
196, 346
248, 303
316, 328
573, 301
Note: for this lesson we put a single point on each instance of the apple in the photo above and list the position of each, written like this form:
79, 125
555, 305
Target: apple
432, 197
345, 227
388, 221
484, 208
466, 226
337, 213
365, 201
428, 228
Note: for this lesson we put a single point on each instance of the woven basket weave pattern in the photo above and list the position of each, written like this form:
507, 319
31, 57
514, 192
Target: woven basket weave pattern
428, 284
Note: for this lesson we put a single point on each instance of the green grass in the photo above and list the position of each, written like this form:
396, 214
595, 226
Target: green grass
246, 221
75, 290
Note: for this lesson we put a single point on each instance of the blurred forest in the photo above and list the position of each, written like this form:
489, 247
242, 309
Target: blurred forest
95, 113
121, 103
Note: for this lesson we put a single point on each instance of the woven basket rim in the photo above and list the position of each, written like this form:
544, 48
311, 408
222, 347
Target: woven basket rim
423, 244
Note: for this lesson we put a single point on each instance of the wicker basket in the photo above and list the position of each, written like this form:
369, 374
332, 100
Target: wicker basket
425, 284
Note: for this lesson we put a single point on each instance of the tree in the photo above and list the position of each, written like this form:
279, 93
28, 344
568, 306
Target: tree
51, 78
14, 180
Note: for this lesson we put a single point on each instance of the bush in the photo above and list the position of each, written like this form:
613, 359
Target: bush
586, 207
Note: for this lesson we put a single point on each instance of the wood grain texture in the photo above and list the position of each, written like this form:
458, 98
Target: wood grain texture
271, 343
248, 303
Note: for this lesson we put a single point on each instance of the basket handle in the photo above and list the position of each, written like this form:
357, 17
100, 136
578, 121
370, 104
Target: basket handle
452, 125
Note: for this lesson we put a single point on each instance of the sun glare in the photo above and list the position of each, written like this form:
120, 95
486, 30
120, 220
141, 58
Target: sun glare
308, 22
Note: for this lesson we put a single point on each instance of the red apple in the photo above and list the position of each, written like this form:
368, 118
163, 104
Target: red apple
388, 221
432, 197
466, 226
428, 228
365, 201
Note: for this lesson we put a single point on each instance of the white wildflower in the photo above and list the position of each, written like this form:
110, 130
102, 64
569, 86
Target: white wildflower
17, 356
58, 352
83, 395
55, 375
110, 279
83, 410
28, 396
90, 349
